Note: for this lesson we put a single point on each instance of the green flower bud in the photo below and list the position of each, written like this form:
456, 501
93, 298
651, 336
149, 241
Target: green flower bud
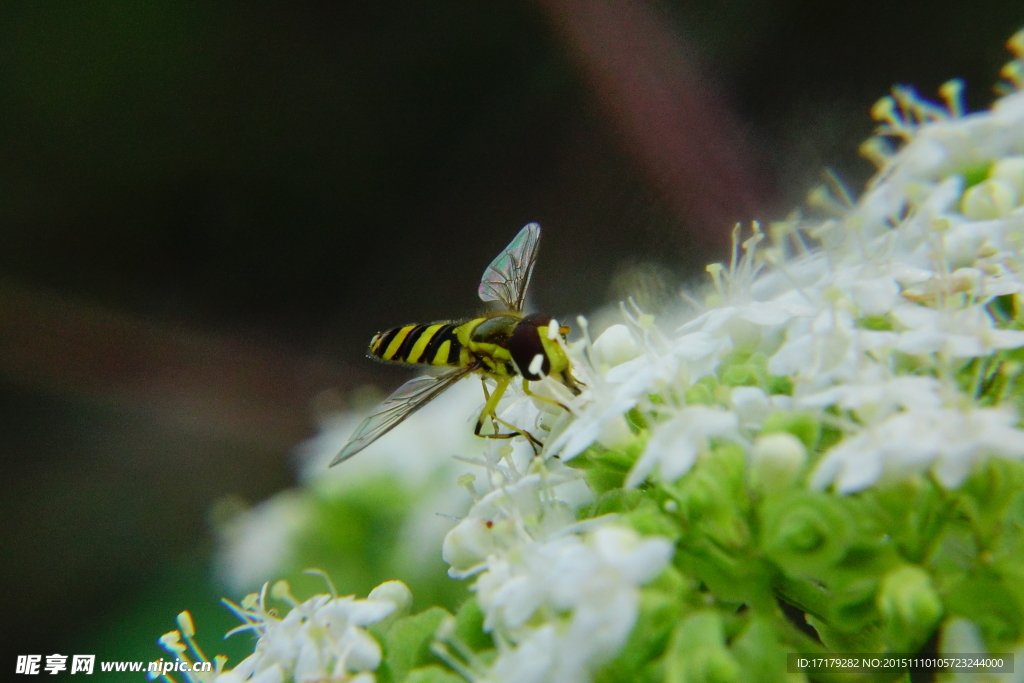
801, 425
776, 461
908, 602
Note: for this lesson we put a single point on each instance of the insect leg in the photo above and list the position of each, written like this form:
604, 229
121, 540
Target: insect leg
526, 390
490, 411
489, 408
537, 444
494, 417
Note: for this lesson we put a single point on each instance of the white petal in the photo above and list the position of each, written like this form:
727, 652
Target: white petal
615, 346
877, 296
1004, 339
676, 455
861, 473
751, 404
366, 612
467, 544
274, 674
365, 654
639, 560
531, 661
395, 592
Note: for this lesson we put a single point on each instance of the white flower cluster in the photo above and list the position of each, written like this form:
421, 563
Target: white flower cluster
871, 332
559, 597
874, 325
321, 639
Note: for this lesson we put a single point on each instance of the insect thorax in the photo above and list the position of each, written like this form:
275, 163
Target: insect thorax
486, 339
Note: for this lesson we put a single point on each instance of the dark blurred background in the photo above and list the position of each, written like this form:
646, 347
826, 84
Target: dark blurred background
207, 208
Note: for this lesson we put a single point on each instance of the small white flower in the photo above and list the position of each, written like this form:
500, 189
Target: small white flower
828, 349
321, 639
591, 580
674, 445
759, 313
963, 333
598, 412
615, 346
559, 596
873, 395
875, 296
752, 406
507, 516
946, 441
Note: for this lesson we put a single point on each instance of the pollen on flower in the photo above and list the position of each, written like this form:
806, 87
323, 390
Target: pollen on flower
320, 639
1013, 71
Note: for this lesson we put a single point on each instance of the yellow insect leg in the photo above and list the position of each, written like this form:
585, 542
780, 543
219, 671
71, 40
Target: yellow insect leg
490, 410
526, 390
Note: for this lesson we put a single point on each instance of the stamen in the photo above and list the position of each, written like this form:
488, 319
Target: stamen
821, 197
283, 592
188, 628
466, 481
953, 93
716, 275
878, 151
1016, 44
327, 580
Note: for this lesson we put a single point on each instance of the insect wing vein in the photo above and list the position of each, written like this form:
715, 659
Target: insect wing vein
405, 401
508, 276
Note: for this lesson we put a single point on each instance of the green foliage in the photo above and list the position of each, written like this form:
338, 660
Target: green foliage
469, 626
878, 571
606, 468
407, 644
698, 652
744, 369
432, 674
879, 323
661, 604
975, 174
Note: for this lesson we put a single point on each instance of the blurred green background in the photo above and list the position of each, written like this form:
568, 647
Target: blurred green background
207, 208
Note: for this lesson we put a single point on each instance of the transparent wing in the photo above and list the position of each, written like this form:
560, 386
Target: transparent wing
405, 401
508, 275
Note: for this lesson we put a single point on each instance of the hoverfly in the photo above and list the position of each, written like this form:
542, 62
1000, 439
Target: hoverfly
499, 347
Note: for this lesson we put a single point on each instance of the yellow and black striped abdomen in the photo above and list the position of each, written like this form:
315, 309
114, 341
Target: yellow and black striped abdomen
433, 344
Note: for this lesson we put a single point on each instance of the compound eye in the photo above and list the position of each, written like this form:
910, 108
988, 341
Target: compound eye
527, 350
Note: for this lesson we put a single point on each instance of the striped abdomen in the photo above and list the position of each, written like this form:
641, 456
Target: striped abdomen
434, 344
